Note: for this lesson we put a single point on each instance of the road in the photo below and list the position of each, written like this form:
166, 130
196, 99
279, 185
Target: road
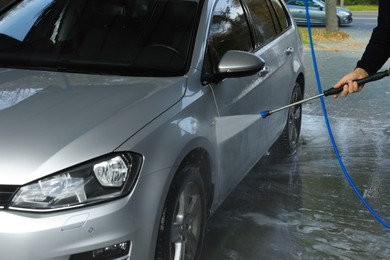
303, 207
364, 20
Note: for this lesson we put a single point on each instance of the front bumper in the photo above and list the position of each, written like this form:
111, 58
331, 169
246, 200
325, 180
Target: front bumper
346, 19
63, 234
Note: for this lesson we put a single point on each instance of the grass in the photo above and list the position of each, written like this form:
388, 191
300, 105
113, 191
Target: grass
362, 7
321, 34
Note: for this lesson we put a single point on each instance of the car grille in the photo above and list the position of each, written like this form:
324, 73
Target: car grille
6, 192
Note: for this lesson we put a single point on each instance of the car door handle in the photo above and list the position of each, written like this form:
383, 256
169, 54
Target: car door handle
264, 71
289, 51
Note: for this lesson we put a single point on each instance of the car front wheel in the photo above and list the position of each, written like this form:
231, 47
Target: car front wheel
292, 130
182, 223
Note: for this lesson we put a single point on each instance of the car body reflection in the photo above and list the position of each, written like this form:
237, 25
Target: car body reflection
258, 212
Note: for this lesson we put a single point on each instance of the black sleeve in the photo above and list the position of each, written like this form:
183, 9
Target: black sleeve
378, 49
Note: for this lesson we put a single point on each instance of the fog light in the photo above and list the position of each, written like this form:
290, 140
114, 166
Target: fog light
110, 252
117, 251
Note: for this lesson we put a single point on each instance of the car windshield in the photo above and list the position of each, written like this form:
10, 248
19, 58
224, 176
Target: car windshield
126, 37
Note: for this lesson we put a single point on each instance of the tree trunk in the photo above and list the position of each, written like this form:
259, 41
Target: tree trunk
332, 24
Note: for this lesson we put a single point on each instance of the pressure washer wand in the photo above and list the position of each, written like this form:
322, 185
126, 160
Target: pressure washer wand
331, 91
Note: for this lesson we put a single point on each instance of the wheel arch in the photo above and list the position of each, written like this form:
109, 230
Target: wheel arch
200, 158
301, 81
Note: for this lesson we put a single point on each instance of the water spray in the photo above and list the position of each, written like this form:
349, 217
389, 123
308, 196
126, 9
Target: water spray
331, 91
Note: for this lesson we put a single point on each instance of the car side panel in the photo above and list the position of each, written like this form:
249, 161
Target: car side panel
278, 57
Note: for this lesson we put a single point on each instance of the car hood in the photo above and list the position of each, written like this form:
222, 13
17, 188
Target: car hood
51, 120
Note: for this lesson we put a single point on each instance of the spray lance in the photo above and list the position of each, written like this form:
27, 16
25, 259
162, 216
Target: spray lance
331, 91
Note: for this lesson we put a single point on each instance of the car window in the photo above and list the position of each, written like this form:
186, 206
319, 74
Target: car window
131, 37
315, 4
302, 3
264, 20
298, 3
229, 31
281, 13
3, 3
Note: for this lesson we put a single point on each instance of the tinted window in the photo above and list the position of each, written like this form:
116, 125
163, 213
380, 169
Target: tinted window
281, 13
229, 31
128, 37
262, 19
4, 3
302, 3
298, 3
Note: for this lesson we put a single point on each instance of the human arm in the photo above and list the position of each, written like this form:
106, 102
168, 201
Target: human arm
375, 55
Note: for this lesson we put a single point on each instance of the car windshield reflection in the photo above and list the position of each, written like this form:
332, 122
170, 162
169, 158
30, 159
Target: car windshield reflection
95, 36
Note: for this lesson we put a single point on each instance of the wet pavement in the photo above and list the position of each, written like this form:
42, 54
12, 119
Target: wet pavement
303, 207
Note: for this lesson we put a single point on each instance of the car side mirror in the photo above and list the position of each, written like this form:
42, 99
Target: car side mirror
321, 8
234, 64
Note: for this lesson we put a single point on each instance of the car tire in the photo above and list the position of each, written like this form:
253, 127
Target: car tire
290, 135
182, 224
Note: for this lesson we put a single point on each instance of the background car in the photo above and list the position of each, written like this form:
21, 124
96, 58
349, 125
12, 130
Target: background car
126, 123
316, 12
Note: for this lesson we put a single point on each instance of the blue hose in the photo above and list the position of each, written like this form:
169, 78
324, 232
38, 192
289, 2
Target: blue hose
329, 128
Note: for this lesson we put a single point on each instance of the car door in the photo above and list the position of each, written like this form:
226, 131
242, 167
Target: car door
242, 136
239, 100
298, 11
317, 12
274, 43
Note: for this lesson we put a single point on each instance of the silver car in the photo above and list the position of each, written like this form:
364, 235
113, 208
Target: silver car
125, 123
316, 12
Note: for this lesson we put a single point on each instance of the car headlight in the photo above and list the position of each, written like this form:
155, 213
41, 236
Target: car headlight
343, 13
98, 180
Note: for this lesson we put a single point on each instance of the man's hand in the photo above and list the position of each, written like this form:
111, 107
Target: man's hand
348, 82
